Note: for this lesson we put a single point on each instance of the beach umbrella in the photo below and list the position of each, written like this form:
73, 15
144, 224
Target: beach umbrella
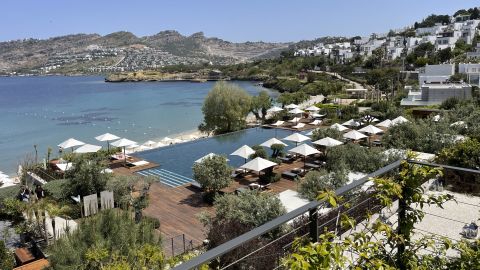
312, 109
354, 135
338, 127
274, 109
70, 143
107, 137
149, 143
328, 142
291, 106
316, 115
316, 122
299, 126
296, 111
245, 152
258, 164
123, 143
304, 150
370, 130
399, 120
295, 120
209, 155
385, 123
87, 148
351, 123
273, 141
296, 137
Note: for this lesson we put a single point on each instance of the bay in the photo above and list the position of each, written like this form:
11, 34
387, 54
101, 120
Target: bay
45, 111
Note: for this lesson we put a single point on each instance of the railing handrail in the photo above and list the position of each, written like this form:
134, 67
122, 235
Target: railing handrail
277, 222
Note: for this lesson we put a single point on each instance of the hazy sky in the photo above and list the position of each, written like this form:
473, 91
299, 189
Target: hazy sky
240, 20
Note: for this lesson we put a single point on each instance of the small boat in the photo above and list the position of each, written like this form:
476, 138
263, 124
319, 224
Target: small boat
198, 80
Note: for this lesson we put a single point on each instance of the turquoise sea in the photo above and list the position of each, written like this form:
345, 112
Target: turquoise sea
45, 111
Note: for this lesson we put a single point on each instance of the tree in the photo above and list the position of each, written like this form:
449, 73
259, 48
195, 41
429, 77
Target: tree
317, 181
6, 259
225, 108
444, 55
277, 149
259, 152
260, 105
213, 173
86, 176
321, 133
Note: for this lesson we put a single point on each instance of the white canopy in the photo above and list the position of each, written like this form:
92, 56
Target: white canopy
328, 142
123, 143
272, 141
107, 137
258, 164
351, 123
209, 155
87, 148
316, 122
338, 127
386, 123
294, 120
312, 109
274, 109
354, 135
399, 120
304, 150
299, 125
370, 130
296, 137
245, 151
316, 115
291, 106
70, 143
278, 123
149, 143
296, 111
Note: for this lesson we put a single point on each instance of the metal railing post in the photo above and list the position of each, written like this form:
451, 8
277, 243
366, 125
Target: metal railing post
313, 218
184, 250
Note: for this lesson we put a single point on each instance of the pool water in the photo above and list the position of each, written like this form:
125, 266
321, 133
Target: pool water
176, 161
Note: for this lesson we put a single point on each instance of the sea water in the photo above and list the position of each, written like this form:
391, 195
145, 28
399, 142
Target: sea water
45, 111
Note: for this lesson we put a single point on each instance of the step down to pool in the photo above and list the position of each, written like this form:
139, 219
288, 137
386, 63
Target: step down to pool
166, 177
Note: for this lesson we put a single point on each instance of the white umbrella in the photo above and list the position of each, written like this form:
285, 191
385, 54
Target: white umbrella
370, 130
274, 109
70, 143
304, 150
296, 111
354, 135
399, 120
351, 123
299, 125
107, 137
316, 122
291, 106
245, 152
149, 143
278, 123
258, 164
209, 155
312, 109
328, 142
296, 137
295, 120
88, 148
123, 143
272, 141
316, 115
338, 127
385, 123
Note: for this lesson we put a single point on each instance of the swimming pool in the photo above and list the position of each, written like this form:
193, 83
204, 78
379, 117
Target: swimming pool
176, 161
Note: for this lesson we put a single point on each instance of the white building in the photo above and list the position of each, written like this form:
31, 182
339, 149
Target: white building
468, 30
475, 54
435, 94
436, 73
367, 48
434, 30
447, 40
472, 71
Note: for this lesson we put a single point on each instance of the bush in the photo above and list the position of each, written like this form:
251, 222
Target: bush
213, 173
152, 220
12, 208
6, 257
57, 189
316, 181
9, 192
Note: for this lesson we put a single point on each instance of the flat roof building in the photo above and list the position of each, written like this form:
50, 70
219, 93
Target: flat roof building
435, 94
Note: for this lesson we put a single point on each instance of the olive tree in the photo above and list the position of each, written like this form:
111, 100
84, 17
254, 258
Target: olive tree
213, 173
317, 181
260, 105
225, 108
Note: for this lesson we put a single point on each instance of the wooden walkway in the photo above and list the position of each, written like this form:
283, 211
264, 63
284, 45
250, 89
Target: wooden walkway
118, 166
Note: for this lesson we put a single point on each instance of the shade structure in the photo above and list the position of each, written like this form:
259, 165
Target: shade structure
123, 143
107, 137
371, 130
274, 109
278, 123
338, 127
291, 106
351, 123
312, 109
354, 135
316, 115
399, 120
299, 126
316, 122
209, 155
245, 152
271, 142
258, 164
70, 143
295, 120
328, 142
304, 150
385, 123
297, 138
149, 143
87, 148
296, 111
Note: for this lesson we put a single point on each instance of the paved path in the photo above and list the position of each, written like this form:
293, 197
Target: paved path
356, 85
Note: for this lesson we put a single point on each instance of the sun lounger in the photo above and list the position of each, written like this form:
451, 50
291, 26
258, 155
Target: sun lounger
137, 163
286, 159
195, 184
289, 175
299, 126
312, 166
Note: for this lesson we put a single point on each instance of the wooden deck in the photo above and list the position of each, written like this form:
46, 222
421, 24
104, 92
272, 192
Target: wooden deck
118, 166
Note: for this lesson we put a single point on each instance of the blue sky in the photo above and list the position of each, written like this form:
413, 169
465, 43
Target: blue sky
241, 20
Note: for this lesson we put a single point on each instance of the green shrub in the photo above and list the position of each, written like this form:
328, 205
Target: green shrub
152, 220
57, 189
9, 192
